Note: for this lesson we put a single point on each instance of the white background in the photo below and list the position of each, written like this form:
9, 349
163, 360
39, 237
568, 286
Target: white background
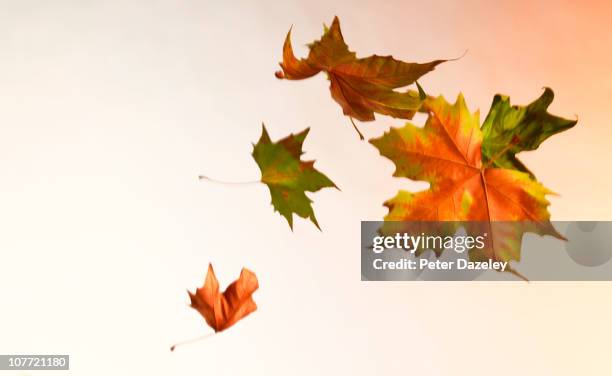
110, 109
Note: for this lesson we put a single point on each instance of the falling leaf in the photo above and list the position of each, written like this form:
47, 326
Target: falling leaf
288, 177
222, 310
521, 127
362, 86
447, 154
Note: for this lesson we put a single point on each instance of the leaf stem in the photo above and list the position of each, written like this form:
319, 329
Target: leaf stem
173, 347
460, 57
202, 177
357, 129
517, 274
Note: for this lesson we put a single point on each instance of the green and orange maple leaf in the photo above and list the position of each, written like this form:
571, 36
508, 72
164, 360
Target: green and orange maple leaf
287, 177
361, 86
464, 184
527, 125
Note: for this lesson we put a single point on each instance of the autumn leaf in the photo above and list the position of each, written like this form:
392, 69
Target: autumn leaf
222, 310
447, 154
361, 86
287, 177
519, 127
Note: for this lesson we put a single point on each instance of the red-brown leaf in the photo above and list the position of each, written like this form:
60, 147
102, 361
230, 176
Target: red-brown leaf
222, 310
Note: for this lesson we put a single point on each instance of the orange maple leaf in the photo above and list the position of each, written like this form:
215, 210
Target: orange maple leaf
447, 154
361, 86
222, 310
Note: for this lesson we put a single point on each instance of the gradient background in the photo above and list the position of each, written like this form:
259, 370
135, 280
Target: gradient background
110, 109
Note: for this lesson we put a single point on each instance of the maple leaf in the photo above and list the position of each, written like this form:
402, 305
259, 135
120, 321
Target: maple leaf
222, 310
287, 177
361, 86
447, 154
509, 130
